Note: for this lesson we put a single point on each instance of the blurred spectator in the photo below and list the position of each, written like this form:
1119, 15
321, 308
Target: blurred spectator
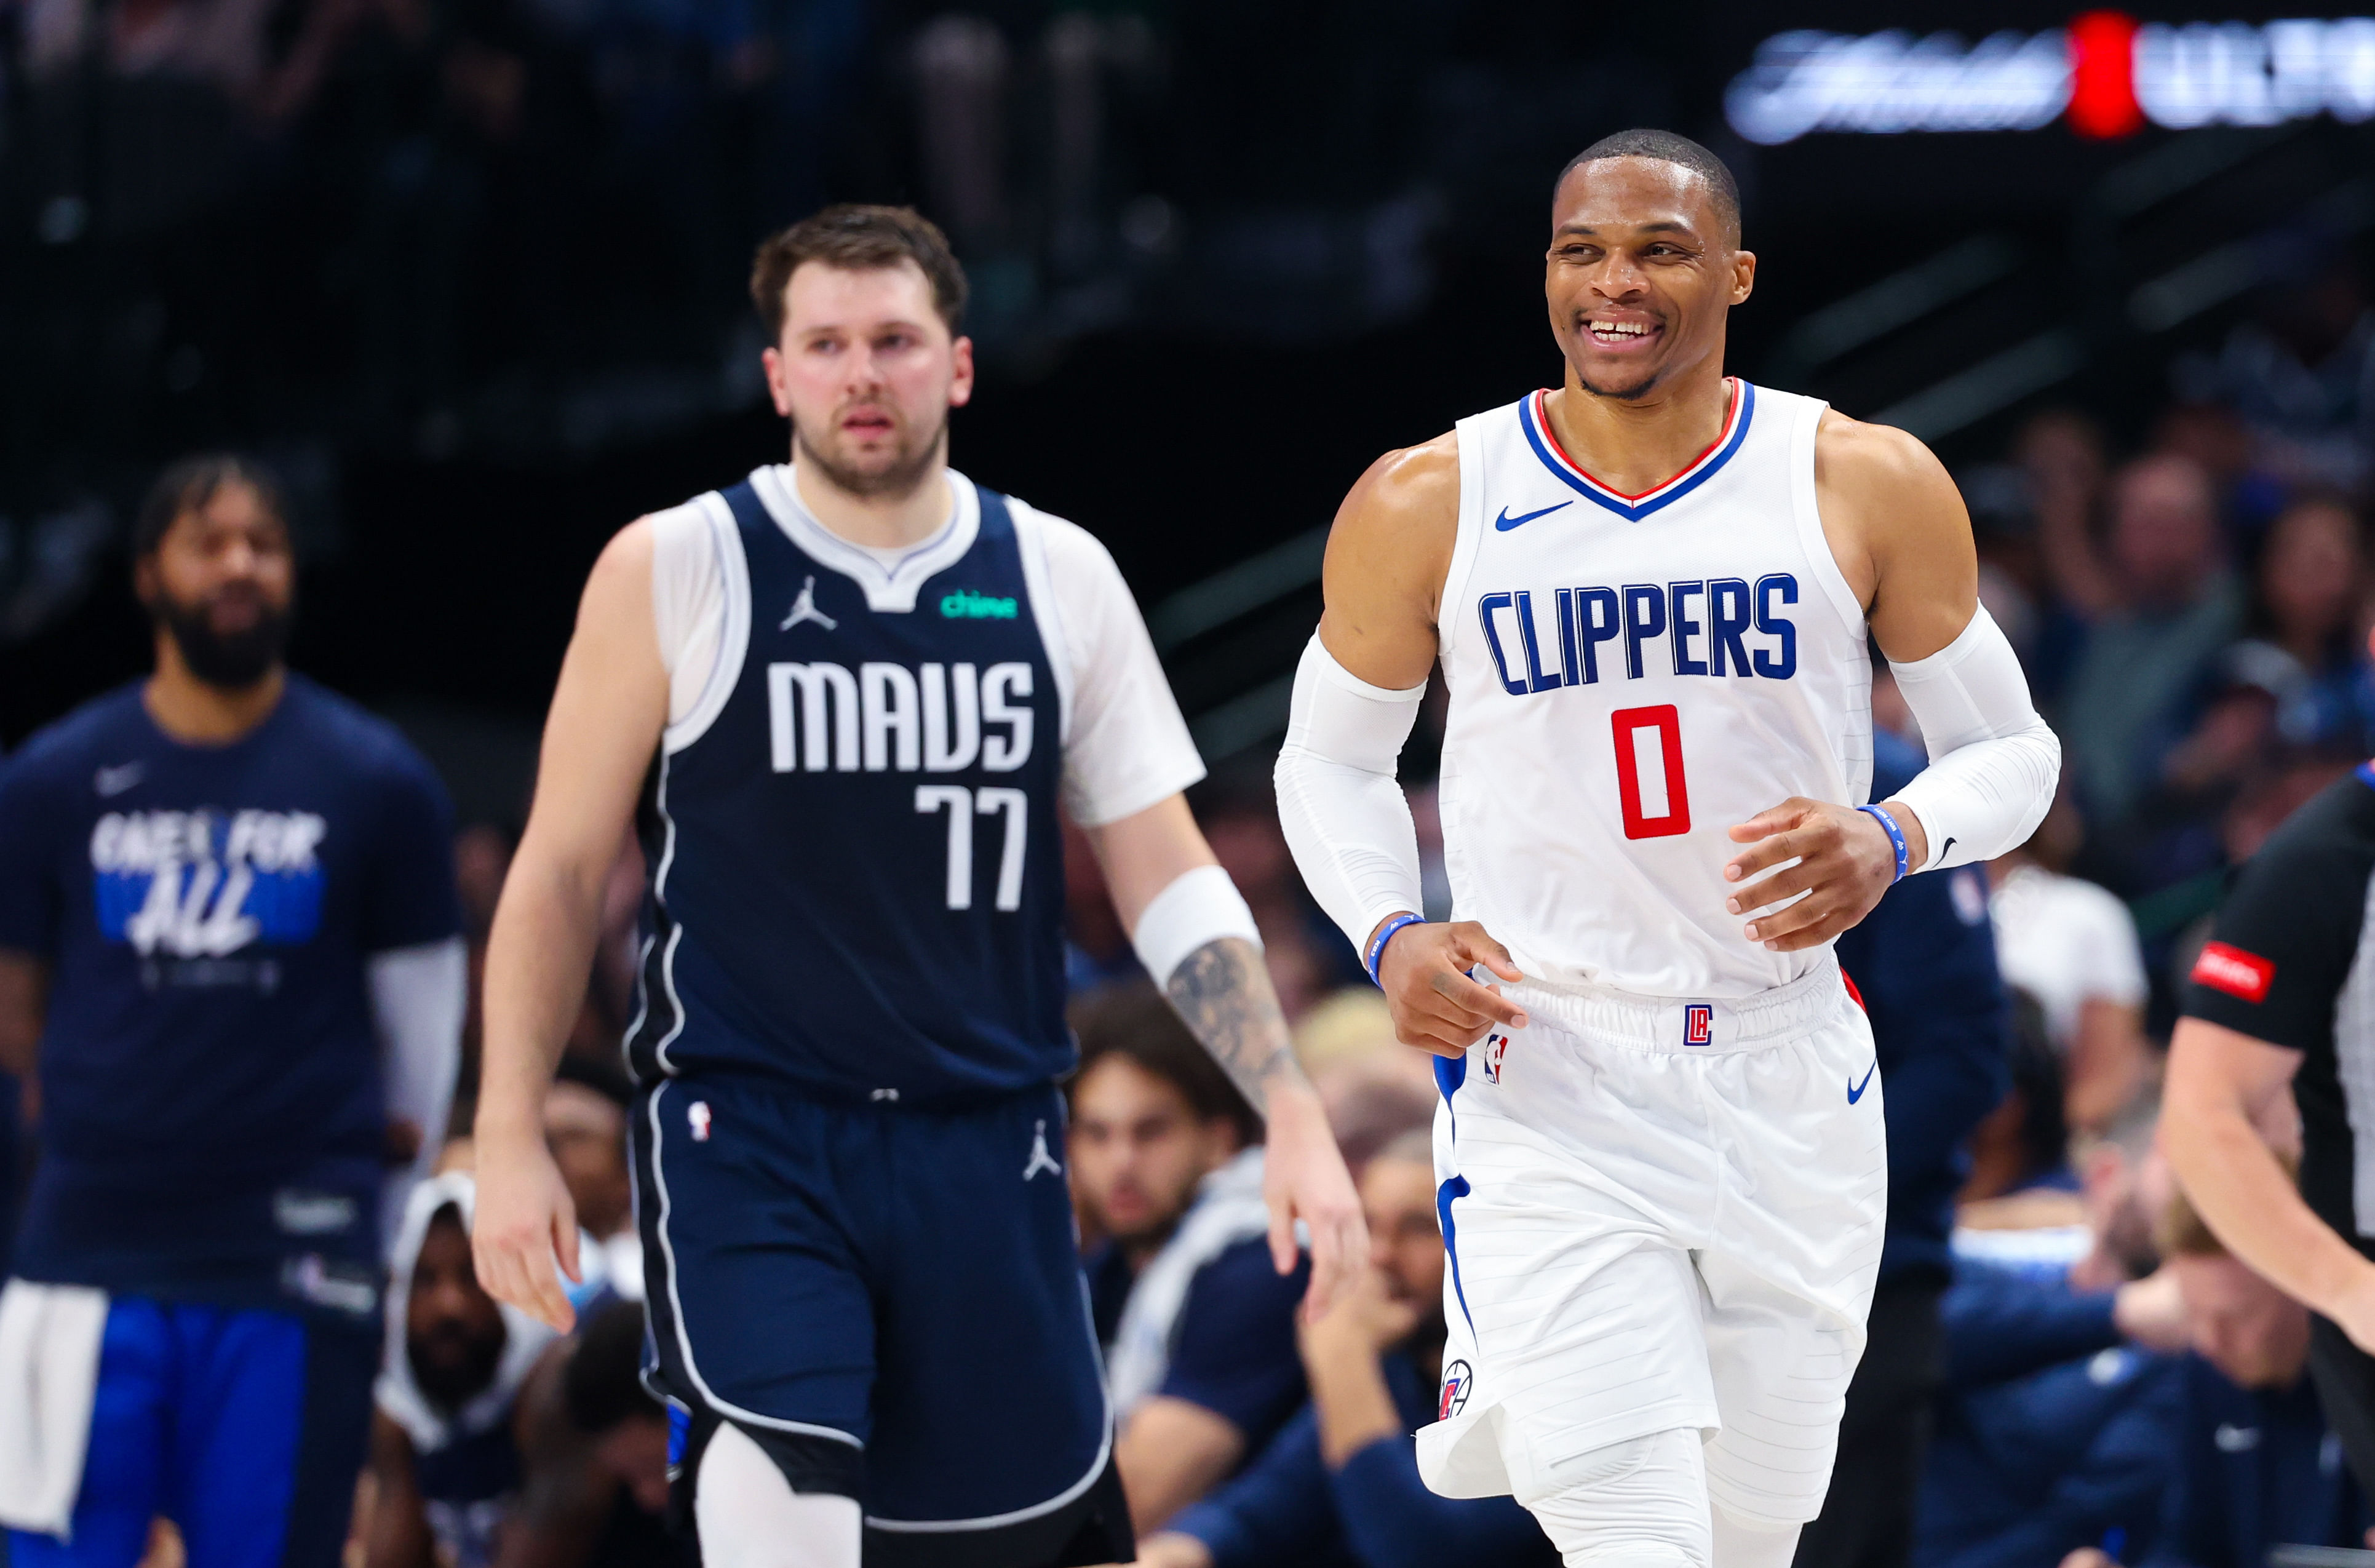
2300, 373
2072, 946
2255, 1465
444, 1450
585, 1127
1199, 1324
2300, 634
1375, 1087
1923, 961
2021, 1147
2161, 607
593, 1452
1340, 1484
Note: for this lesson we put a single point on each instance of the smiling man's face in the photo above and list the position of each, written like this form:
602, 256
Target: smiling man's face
866, 371
1643, 266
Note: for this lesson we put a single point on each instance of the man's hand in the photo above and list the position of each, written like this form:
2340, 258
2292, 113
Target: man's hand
523, 1218
2151, 1311
1303, 1178
1436, 1006
1845, 862
1364, 1323
1171, 1550
2089, 1557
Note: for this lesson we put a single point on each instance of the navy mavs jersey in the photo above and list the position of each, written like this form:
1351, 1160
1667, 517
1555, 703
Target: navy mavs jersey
856, 884
212, 1121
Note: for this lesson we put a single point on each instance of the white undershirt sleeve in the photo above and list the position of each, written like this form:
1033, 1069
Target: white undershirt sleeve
1994, 763
418, 998
1345, 816
1128, 746
688, 603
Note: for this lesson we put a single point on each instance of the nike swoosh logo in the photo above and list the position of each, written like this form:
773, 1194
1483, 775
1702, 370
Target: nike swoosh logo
1505, 522
1855, 1090
1950, 844
115, 780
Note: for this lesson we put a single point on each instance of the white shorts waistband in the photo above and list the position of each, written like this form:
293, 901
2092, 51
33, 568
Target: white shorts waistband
1685, 1026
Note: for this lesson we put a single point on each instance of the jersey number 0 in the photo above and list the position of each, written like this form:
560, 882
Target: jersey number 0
1649, 741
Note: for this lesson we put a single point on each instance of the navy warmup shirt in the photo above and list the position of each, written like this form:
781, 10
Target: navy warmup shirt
212, 1118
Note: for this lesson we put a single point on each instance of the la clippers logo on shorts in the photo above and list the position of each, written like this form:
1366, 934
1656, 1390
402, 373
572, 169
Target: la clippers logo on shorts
1496, 1045
1457, 1379
2246, 977
1698, 1023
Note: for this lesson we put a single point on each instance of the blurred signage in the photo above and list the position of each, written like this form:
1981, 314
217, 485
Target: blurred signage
2106, 72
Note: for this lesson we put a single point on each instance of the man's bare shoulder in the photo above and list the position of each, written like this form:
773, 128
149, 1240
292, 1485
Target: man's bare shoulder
1408, 500
1878, 465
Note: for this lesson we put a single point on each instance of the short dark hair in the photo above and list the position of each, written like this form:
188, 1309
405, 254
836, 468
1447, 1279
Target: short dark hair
1132, 1020
189, 483
1667, 148
858, 239
602, 1384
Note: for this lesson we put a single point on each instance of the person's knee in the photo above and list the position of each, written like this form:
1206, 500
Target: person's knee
749, 1516
1746, 1542
1638, 1504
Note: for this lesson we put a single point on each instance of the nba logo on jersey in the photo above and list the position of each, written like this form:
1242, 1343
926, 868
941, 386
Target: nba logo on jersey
1698, 1023
1496, 1045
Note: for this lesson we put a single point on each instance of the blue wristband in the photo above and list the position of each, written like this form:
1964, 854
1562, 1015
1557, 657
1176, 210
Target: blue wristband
1896, 836
1376, 952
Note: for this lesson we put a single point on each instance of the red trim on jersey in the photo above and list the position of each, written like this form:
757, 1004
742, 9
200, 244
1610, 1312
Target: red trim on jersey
1731, 421
2246, 977
1853, 995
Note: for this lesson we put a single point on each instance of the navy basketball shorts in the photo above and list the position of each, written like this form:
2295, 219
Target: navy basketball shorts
244, 1427
888, 1299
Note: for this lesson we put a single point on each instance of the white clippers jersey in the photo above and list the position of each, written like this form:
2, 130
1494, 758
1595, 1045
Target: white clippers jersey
1630, 676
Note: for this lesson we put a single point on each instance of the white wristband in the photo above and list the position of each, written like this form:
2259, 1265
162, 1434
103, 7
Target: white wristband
1197, 908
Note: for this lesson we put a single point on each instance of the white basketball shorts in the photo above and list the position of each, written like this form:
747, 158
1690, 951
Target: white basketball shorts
1659, 1214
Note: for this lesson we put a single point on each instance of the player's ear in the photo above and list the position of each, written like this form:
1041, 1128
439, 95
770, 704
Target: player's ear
1743, 275
777, 389
960, 383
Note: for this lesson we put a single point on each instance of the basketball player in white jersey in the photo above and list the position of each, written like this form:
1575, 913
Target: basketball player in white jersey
1659, 1148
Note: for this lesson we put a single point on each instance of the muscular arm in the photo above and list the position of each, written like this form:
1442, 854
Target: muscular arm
2221, 1085
607, 711
24, 1003
1342, 807
1897, 528
1222, 992
563, 1503
397, 1533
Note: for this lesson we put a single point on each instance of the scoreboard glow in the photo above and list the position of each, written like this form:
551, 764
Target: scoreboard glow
2110, 75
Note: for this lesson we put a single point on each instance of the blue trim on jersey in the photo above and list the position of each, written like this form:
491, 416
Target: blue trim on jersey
1664, 495
1450, 1072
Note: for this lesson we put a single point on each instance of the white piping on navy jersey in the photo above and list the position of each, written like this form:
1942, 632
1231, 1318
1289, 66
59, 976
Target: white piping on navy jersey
1031, 545
676, 926
733, 632
676, 1306
888, 590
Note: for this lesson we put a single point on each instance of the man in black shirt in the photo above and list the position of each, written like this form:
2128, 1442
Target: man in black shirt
2284, 993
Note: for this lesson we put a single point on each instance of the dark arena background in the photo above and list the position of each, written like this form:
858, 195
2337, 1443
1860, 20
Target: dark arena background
471, 277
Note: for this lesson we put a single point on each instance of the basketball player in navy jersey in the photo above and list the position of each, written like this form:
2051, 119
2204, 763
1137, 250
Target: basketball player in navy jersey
1663, 1178
230, 951
844, 699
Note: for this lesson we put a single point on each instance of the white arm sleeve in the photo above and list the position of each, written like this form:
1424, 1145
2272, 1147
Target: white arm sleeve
1345, 816
1994, 763
418, 998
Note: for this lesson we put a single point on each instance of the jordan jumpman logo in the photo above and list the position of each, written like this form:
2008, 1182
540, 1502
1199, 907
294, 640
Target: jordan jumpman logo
1040, 1158
804, 609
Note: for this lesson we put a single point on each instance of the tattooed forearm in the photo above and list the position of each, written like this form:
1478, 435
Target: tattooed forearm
1222, 992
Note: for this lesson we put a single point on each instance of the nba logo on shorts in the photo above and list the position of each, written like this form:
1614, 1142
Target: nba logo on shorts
1698, 1023
1496, 1045
1457, 1379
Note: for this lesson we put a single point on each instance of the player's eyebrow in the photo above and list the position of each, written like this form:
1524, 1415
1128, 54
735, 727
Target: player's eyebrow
1659, 226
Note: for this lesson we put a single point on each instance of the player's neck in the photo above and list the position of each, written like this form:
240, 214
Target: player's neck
1635, 444
196, 713
883, 520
